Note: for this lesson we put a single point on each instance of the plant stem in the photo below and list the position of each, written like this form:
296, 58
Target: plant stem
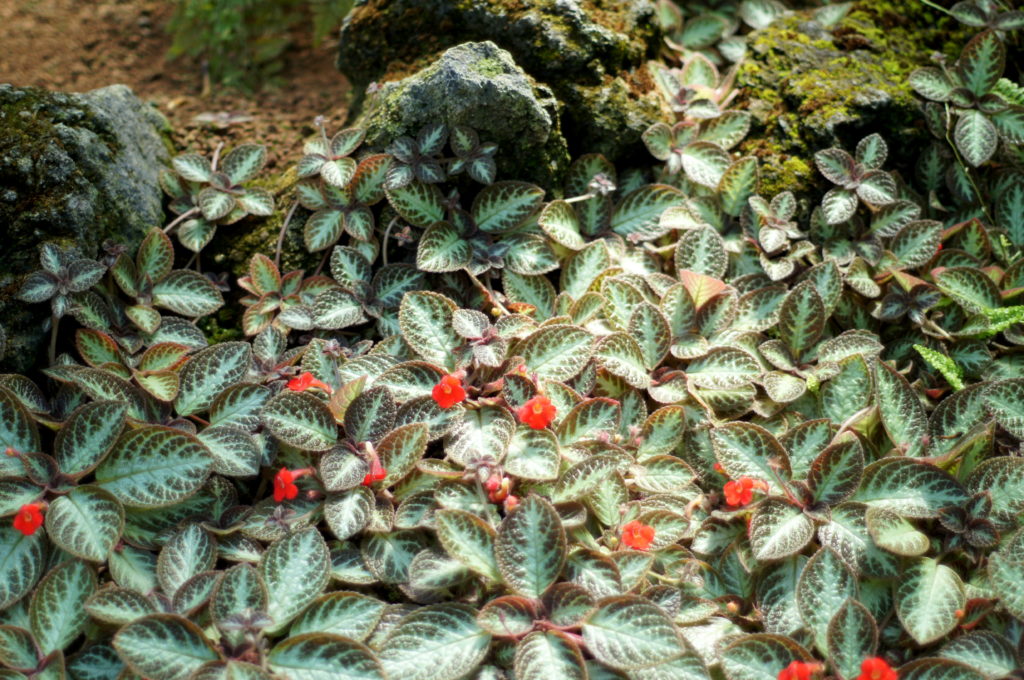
384, 244
216, 156
280, 237
489, 291
180, 218
938, 7
54, 322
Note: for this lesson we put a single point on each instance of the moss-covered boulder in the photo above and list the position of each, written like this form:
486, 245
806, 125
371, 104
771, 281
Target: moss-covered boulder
812, 86
590, 53
480, 86
77, 168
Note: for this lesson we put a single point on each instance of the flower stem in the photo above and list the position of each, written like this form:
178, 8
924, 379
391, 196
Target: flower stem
54, 322
280, 236
180, 218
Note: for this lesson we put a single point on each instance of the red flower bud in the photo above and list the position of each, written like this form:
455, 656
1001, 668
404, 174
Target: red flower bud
307, 381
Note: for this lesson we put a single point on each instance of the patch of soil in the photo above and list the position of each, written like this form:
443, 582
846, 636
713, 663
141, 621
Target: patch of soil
80, 45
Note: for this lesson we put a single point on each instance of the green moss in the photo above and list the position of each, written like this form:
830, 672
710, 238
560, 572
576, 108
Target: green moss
490, 68
809, 88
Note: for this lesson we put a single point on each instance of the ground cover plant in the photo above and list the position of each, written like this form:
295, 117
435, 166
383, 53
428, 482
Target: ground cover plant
652, 425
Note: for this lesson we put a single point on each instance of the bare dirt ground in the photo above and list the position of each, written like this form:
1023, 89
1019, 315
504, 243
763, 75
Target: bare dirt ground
79, 45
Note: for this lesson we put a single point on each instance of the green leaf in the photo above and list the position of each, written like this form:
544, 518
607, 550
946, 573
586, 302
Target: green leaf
421, 205
779, 529
649, 327
550, 655
891, 532
349, 615
187, 293
503, 206
470, 540
437, 642
300, 420
969, 287
901, 411
981, 63
17, 649
837, 471
348, 512
983, 650
401, 449
1003, 478
442, 249
88, 435
87, 523
917, 243
234, 451
748, 450
705, 163
112, 604
559, 221
23, 560
154, 466
849, 391
532, 454
208, 373
760, 656
738, 183
164, 646
620, 355
192, 167
17, 429
639, 212
723, 368
530, 547
583, 477
976, 137
295, 570
583, 268
484, 429
370, 415
825, 584
556, 352
323, 229
189, 551
240, 589
909, 488
852, 637
928, 596
244, 162
629, 632
57, 611
802, 319
702, 251
590, 419
943, 364
323, 656
426, 322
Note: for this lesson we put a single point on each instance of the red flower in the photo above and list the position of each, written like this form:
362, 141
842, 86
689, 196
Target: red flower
377, 472
799, 670
448, 392
284, 485
741, 491
637, 535
510, 503
717, 467
537, 412
875, 668
305, 382
29, 518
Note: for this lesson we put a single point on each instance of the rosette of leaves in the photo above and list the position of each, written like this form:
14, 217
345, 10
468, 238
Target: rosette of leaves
968, 92
858, 178
989, 15
206, 193
780, 242
329, 159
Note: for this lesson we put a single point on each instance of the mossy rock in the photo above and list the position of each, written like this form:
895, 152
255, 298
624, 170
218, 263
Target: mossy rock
74, 168
810, 86
590, 53
480, 86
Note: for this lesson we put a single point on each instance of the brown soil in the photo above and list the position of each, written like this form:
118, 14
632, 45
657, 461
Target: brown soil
79, 45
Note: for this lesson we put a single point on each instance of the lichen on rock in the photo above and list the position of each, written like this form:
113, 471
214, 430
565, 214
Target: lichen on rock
74, 168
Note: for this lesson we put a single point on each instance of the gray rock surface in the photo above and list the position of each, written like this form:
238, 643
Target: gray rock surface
75, 168
590, 53
480, 86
